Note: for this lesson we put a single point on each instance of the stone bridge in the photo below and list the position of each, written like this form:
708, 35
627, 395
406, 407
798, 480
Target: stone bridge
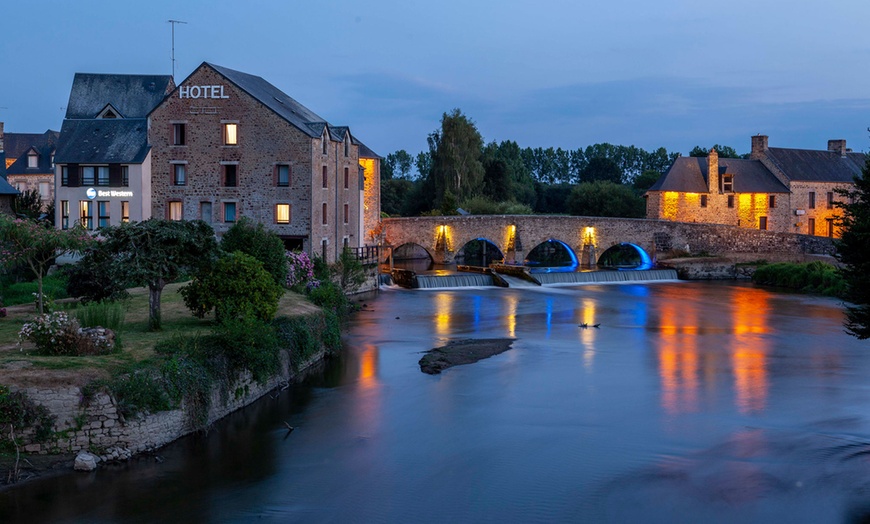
516, 236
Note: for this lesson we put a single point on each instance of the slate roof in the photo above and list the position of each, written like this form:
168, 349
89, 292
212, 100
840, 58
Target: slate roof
134, 96
103, 141
690, 175
5, 188
364, 151
808, 165
18, 145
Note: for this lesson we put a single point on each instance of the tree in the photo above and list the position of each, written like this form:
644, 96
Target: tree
395, 193
722, 151
36, 245
645, 180
853, 250
605, 199
264, 245
601, 169
156, 252
28, 204
456, 153
497, 181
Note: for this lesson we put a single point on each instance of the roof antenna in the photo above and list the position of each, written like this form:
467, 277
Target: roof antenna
173, 22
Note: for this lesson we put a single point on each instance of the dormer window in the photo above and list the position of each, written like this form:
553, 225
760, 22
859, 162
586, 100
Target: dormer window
32, 160
727, 184
109, 112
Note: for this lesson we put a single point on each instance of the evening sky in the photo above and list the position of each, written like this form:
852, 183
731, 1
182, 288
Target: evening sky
671, 73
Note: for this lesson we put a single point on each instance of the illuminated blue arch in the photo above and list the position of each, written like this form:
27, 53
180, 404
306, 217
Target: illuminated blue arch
645, 260
554, 269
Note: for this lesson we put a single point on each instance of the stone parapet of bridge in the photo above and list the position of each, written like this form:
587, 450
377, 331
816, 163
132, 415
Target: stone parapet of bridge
517, 235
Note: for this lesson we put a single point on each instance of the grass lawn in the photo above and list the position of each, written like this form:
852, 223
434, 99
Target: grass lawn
21, 369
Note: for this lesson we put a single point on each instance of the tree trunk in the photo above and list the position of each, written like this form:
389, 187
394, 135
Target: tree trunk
40, 299
154, 291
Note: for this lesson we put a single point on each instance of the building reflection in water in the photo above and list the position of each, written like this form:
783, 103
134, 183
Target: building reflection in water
443, 310
512, 301
693, 350
586, 315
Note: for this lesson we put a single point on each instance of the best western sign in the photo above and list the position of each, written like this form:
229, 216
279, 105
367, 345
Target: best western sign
201, 92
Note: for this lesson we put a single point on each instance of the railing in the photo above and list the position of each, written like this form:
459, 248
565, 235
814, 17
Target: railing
367, 255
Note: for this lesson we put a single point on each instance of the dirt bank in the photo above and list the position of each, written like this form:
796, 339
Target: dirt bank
458, 352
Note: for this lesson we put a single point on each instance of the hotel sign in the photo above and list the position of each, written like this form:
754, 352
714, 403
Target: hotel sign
94, 193
201, 92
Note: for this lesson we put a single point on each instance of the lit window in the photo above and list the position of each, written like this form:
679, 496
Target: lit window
88, 175
32, 161
179, 134
85, 214
125, 211
103, 213
103, 176
231, 175
231, 134
64, 214
229, 211
179, 175
283, 175
282, 213
175, 210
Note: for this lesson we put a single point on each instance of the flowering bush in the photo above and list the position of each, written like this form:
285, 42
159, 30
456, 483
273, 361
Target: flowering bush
2, 312
52, 333
300, 270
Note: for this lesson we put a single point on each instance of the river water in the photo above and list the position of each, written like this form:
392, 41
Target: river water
692, 402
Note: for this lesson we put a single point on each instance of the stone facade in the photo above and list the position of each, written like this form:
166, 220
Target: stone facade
783, 190
516, 235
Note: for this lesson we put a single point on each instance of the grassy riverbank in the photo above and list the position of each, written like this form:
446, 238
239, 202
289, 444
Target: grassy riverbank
21, 369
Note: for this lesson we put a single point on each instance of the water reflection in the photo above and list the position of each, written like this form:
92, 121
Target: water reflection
749, 348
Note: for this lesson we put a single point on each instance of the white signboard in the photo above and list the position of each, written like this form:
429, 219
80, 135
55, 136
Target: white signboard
201, 92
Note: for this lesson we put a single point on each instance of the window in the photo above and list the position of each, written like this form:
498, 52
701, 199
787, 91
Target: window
812, 203
282, 213
205, 212
346, 177
323, 214
325, 178
323, 246
727, 183
125, 211
771, 201
175, 211
52, 160
231, 134
102, 213
64, 176
703, 200
125, 176
730, 200
346, 212
811, 226
346, 147
88, 175
179, 175
85, 214
830, 222
762, 223
324, 141
231, 175
103, 176
179, 134
44, 189
830, 200
284, 175
64, 214
229, 211
32, 161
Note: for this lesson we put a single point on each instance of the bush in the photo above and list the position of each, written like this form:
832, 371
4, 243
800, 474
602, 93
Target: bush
236, 287
255, 240
104, 314
331, 298
480, 205
20, 412
300, 270
92, 280
53, 286
52, 333
814, 277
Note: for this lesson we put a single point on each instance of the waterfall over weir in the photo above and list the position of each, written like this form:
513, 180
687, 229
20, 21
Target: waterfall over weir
463, 279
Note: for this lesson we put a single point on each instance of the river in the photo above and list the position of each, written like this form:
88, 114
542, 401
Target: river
692, 402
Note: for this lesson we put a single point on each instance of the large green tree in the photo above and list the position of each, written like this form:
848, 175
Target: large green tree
601, 169
853, 250
605, 199
456, 158
254, 239
722, 151
156, 252
37, 245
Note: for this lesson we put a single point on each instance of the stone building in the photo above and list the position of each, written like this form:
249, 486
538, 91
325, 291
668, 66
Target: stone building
7, 192
103, 160
226, 145
778, 189
30, 162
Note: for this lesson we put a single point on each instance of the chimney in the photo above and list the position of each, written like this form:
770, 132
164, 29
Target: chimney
713, 171
837, 146
759, 146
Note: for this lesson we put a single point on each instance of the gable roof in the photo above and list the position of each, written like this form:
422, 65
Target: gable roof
134, 96
6, 188
19, 145
281, 103
104, 141
809, 165
690, 175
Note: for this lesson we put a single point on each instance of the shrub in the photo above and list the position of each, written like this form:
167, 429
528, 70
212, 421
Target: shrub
814, 277
104, 314
52, 333
331, 298
236, 287
300, 270
20, 412
255, 240
92, 278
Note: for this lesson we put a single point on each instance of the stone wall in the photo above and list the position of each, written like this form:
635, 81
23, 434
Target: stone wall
96, 425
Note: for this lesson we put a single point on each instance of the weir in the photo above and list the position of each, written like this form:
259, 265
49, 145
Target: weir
455, 280
589, 277
466, 279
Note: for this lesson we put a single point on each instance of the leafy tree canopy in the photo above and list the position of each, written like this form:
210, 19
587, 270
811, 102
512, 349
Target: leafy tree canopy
722, 151
264, 245
456, 157
605, 199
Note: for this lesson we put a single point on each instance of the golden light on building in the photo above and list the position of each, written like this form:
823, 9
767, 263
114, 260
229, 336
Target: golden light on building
670, 205
693, 199
510, 239
443, 238
589, 236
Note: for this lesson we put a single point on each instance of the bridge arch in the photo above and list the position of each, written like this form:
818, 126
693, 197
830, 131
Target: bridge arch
480, 251
625, 255
553, 254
